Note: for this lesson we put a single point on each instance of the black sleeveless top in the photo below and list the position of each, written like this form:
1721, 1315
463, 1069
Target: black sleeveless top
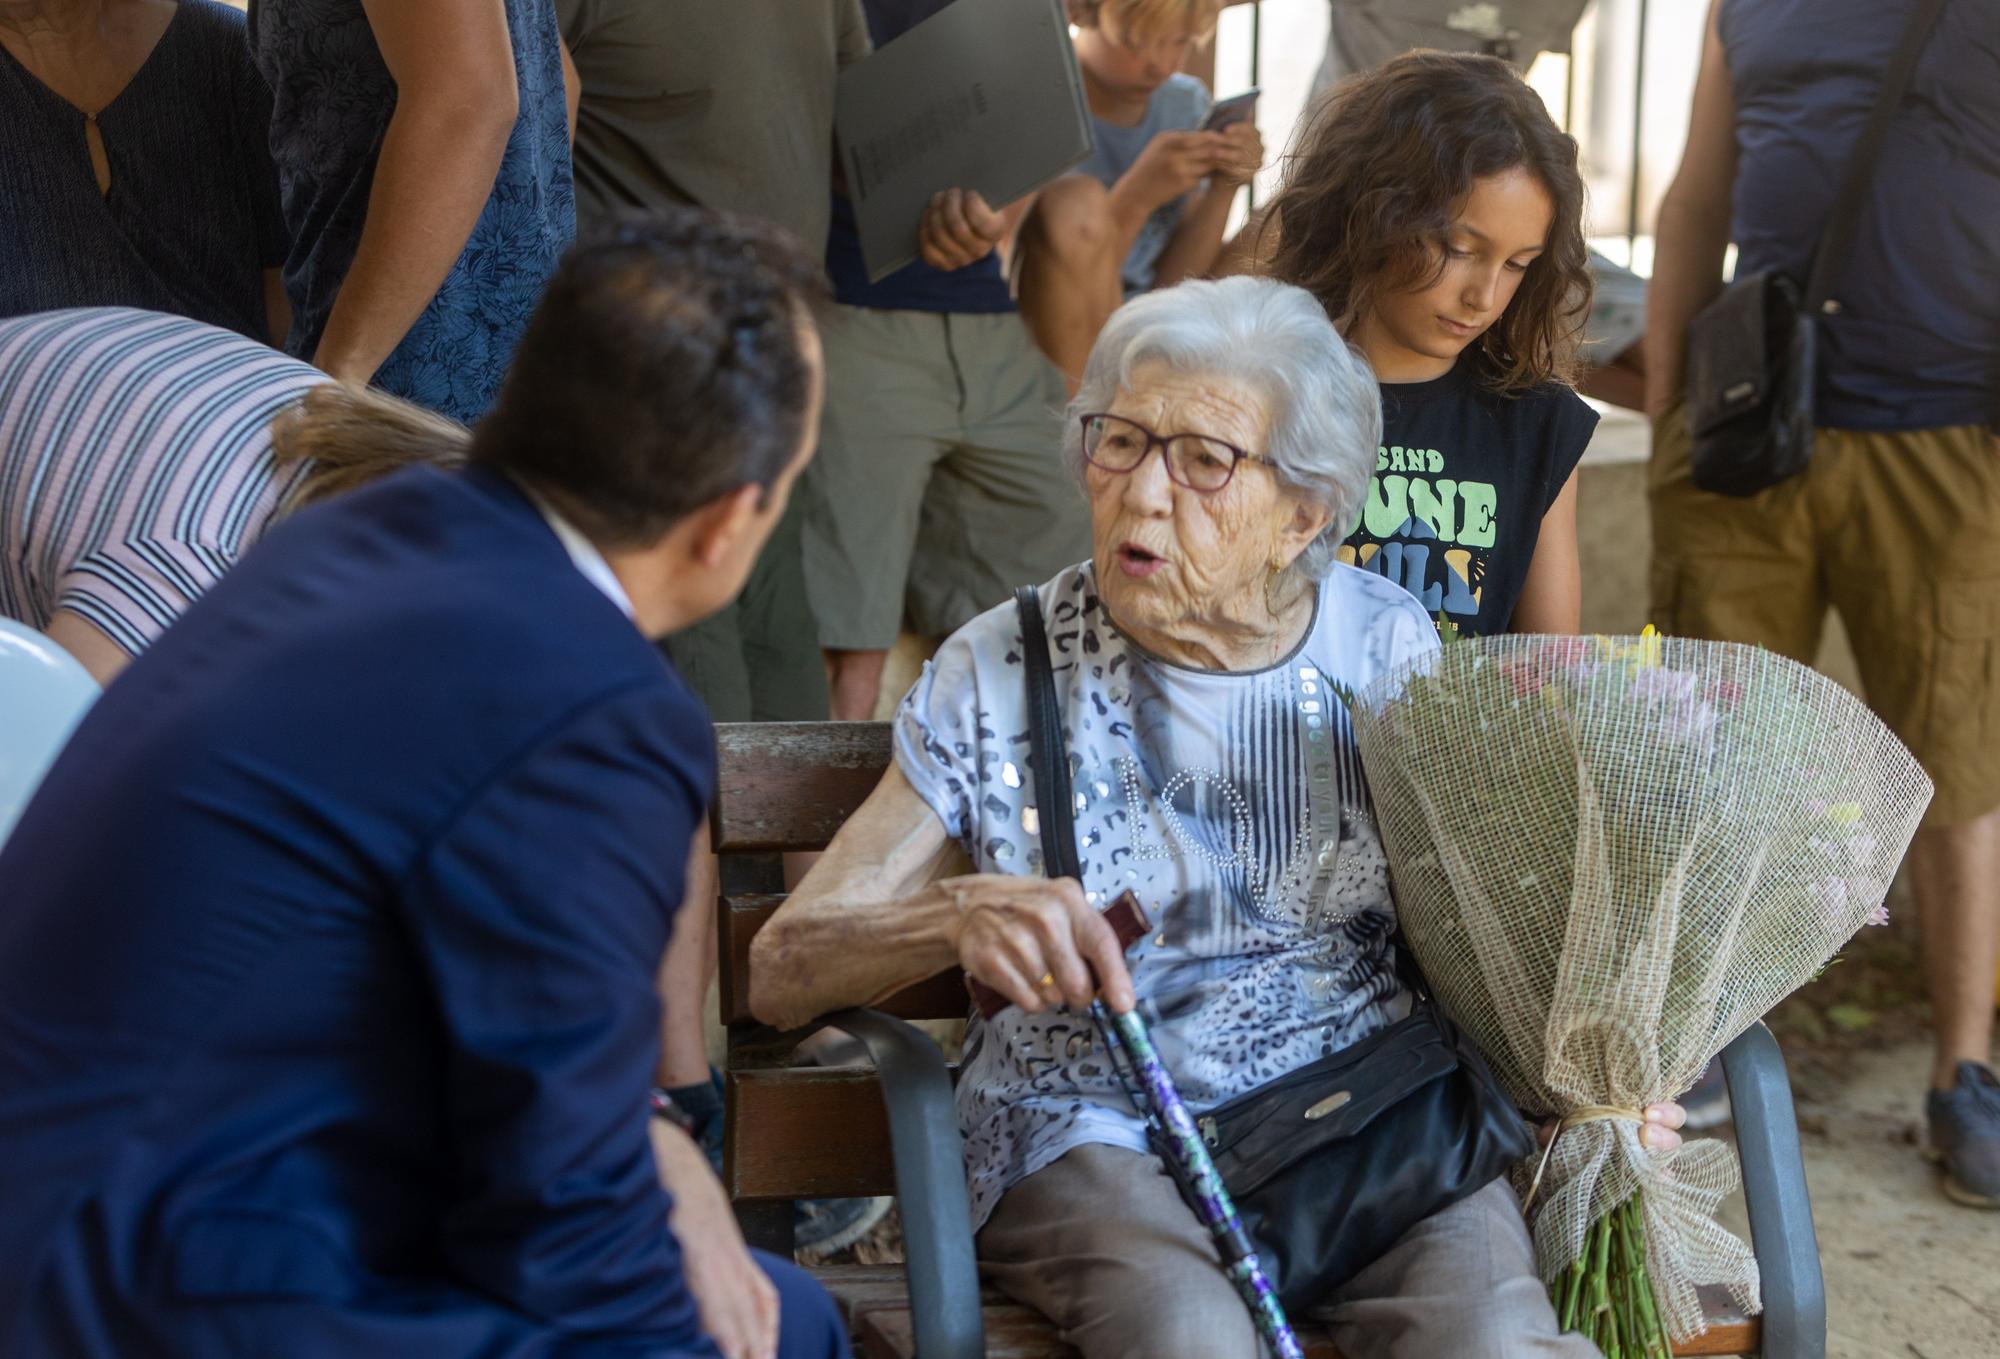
192, 218
1462, 481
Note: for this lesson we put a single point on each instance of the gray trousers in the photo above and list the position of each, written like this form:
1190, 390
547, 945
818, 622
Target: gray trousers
1102, 1244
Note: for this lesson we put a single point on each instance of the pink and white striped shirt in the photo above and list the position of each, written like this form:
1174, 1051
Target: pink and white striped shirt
135, 463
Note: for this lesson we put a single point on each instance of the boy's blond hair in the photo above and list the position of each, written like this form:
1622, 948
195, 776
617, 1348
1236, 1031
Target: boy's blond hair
1194, 17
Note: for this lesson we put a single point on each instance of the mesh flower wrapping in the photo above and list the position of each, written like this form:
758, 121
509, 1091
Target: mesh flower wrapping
1611, 856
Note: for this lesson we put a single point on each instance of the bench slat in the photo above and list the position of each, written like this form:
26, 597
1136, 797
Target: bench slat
816, 1133
790, 785
939, 997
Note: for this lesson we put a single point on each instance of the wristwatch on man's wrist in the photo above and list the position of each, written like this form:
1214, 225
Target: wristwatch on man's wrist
664, 1108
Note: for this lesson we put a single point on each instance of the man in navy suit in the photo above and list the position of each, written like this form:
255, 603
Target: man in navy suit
327, 949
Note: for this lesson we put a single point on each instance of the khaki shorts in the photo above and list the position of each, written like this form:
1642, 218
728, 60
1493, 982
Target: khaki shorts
939, 485
1900, 532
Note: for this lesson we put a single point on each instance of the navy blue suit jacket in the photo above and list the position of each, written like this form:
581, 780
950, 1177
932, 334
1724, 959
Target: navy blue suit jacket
327, 959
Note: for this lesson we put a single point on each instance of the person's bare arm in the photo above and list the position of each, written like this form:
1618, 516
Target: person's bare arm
456, 101
878, 912
1552, 595
1170, 165
738, 1304
91, 645
1196, 247
1693, 230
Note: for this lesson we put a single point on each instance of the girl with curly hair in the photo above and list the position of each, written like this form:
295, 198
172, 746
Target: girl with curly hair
1434, 208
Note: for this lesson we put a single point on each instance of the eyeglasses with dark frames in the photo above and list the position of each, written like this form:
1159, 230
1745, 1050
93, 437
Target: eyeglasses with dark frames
1196, 461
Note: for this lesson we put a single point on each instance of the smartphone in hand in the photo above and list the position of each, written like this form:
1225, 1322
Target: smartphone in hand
1238, 108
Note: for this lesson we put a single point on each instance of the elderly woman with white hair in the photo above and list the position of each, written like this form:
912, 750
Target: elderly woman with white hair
1194, 657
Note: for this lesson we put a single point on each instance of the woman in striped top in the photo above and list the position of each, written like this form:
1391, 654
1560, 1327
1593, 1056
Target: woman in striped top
139, 460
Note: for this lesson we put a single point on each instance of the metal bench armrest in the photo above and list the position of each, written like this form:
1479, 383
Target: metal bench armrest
942, 1270
1774, 1185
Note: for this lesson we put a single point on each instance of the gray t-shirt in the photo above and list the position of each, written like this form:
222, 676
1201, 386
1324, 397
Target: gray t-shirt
728, 106
1232, 804
1177, 106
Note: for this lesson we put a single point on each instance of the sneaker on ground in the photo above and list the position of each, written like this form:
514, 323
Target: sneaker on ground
1707, 1100
1965, 1135
823, 1227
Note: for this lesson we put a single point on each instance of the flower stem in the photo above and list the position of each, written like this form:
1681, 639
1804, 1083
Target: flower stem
1607, 1292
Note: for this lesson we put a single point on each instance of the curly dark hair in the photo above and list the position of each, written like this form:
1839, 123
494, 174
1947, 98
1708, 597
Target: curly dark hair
1381, 168
663, 367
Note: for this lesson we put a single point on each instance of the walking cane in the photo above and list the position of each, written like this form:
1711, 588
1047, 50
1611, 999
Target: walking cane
1152, 1091
1180, 1143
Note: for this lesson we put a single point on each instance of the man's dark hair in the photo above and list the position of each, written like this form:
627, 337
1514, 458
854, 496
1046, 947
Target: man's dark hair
663, 367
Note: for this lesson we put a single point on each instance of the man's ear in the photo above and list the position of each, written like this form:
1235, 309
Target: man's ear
720, 525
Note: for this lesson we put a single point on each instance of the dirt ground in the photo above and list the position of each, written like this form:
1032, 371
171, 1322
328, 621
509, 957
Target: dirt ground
1908, 1272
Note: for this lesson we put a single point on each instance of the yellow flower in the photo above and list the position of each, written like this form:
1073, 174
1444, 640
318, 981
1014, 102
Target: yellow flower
1844, 814
1640, 655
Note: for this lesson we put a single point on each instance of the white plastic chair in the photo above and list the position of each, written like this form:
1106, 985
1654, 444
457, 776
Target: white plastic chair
43, 694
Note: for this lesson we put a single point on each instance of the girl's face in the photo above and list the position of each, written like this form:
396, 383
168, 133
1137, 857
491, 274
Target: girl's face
1416, 335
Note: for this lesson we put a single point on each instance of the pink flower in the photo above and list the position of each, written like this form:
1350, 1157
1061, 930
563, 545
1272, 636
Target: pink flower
1878, 914
1567, 651
1527, 679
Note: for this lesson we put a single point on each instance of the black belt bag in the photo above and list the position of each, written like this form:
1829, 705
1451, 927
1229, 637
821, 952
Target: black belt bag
1753, 353
1331, 1164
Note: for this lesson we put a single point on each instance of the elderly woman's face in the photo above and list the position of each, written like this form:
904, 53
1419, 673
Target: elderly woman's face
1171, 558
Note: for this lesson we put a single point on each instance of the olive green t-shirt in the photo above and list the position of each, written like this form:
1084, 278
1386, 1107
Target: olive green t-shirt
725, 105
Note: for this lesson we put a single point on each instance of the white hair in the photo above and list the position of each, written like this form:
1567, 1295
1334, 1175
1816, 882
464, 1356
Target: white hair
1326, 411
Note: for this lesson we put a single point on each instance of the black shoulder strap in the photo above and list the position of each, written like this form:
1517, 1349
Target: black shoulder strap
1837, 237
1051, 753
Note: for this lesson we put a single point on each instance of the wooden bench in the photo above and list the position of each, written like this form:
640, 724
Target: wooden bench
811, 1132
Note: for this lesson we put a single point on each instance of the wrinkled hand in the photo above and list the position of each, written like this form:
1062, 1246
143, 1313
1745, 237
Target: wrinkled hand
1241, 156
1014, 932
1175, 162
737, 1301
958, 229
1660, 1132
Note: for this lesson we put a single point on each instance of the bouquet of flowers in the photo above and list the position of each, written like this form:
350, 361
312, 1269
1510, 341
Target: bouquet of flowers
1611, 856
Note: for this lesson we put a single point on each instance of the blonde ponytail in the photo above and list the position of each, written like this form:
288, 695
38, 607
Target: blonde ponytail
346, 436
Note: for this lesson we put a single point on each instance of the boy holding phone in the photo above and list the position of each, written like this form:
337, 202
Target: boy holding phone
1148, 207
